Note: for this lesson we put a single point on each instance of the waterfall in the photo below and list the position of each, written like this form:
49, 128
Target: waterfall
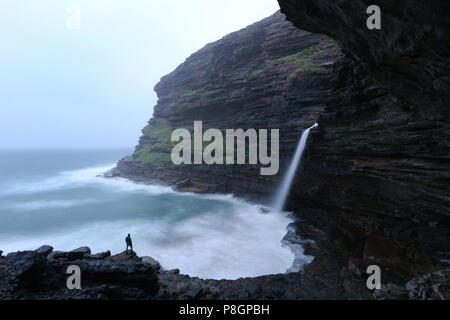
285, 186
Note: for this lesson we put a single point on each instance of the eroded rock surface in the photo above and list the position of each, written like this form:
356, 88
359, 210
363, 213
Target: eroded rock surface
374, 184
269, 75
376, 175
128, 276
33, 275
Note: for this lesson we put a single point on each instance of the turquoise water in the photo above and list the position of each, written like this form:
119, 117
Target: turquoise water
58, 198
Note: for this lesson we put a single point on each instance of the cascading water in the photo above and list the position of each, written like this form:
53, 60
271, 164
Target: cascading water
283, 191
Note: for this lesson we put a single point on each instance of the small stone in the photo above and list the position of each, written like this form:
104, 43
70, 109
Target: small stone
175, 271
346, 273
149, 260
194, 293
98, 256
78, 253
56, 255
25, 263
44, 250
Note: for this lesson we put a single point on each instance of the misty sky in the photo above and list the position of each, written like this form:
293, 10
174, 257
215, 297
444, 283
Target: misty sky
93, 87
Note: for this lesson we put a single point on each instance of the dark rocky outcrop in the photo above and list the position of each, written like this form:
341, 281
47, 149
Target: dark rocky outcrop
28, 266
376, 172
434, 286
408, 57
98, 256
44, 250
127, 276
32, 275
151, 262
75, 254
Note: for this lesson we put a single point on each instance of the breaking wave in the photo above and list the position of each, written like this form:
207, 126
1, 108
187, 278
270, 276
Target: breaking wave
209, 236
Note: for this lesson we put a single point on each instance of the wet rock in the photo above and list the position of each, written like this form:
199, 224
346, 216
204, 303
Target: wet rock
98, 256
155, 264
57, 255
434, 286
29, 275
44, 250
354, 265
174, 271
134, 274
403, 60
110, 173
391, 291
25, 262
183, 184
124, 256
194, 293
28, 267
75, 254
78, 253
375, 173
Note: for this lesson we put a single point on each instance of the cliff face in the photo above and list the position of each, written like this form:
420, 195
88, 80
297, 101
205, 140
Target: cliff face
374, 185
268, 75
408, 57
377, 171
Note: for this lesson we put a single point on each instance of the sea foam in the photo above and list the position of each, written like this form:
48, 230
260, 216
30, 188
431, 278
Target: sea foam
224, 238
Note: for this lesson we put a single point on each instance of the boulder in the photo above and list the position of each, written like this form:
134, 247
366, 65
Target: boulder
133, 274
78, 253
75, 254
435, 286
98, 256
44, 250
173, 271
57, 255
109, 174
28, 265
149, 260
194, 293
124, 256
183, 183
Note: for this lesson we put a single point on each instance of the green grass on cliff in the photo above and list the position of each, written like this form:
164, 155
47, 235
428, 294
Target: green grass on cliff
157, 151
299, 57
306, 68
199, 93
160, 147
158, 132
303, 59
147, 156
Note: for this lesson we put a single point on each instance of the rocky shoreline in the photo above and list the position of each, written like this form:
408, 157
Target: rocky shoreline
41, 274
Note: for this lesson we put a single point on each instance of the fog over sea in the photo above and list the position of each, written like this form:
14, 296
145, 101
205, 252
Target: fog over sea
56, 197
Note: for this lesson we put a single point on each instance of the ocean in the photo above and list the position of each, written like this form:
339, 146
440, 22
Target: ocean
59, 198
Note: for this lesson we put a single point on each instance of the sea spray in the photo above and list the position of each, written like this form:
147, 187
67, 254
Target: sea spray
285, 186
209, 236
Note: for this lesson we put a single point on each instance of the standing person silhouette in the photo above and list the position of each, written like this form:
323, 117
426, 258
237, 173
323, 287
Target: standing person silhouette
129, 243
